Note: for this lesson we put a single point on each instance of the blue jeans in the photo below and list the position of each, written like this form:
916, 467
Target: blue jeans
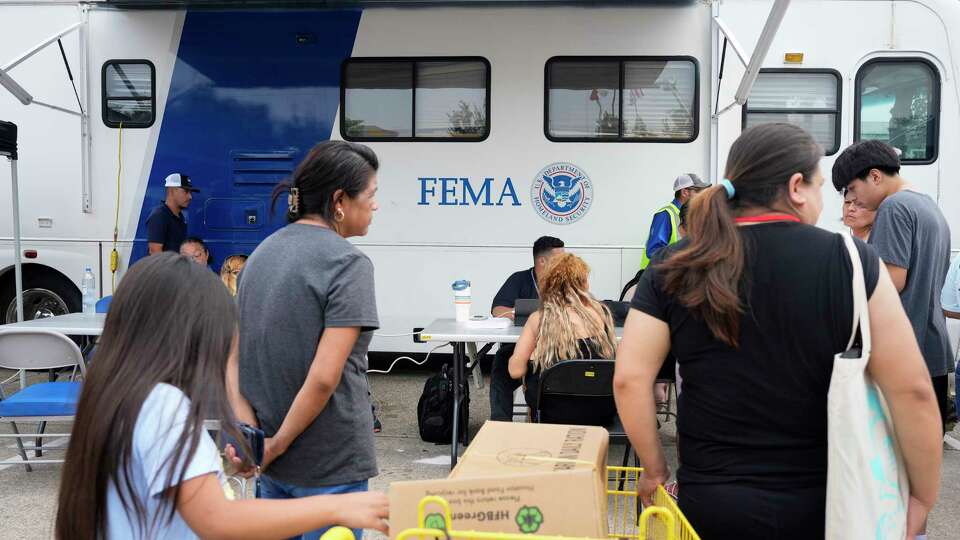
275, 489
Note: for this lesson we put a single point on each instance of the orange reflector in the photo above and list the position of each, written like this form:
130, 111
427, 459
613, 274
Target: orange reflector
793, 58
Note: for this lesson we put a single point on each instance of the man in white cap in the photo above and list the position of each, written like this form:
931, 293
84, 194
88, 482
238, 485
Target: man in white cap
666, 222
166, 226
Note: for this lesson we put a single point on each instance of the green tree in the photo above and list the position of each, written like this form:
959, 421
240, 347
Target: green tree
466, 120
353, 127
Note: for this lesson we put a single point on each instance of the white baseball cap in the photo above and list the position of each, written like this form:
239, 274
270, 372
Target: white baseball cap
179, 180
689, 180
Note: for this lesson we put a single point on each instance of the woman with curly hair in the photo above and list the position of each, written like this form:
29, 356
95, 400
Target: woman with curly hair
570, 324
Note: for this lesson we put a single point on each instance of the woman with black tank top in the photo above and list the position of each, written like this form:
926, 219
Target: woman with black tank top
570, 324
754, 304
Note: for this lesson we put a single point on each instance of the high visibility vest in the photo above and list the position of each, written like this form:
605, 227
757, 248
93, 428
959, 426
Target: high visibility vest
674, 214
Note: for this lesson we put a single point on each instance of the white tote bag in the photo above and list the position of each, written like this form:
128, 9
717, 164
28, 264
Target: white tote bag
867, 485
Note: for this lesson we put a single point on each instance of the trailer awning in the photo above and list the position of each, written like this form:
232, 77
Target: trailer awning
173, 4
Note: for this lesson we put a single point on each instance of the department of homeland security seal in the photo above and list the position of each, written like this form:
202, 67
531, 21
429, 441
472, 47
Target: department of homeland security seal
561, 193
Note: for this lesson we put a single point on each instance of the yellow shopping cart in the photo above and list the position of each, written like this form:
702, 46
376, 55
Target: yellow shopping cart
662, 521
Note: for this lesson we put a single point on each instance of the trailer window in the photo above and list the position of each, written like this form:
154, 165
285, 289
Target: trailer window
898, 102
129, 93
436, 99
809, 99
584, 100
633, 99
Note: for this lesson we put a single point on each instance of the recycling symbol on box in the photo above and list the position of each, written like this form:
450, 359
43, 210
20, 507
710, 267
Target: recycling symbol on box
435, 521
529, 519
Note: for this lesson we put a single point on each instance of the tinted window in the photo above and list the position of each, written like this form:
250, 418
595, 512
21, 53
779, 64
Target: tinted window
584, 99
405, 99
128, 93
898, 102
659, 100
621, 99
378, 100
807, 99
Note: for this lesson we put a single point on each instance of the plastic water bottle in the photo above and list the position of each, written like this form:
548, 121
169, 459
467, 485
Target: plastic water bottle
461, 299
89, 288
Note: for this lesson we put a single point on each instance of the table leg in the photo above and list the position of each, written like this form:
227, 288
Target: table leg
464, 398
458, 353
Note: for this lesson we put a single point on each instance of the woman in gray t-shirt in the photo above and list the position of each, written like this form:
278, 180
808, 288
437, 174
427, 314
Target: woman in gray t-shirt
307, 314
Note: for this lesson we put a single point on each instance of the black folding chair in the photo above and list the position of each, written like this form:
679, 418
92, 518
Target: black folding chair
586, 386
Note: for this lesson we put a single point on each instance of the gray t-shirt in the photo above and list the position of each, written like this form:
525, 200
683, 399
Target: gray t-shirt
299, 281
911, 232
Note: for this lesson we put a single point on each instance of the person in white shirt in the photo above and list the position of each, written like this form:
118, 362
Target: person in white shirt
140, 463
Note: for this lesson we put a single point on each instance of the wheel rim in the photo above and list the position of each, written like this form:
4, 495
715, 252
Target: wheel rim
37, 304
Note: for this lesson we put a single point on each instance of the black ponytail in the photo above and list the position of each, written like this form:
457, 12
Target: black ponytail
328, 167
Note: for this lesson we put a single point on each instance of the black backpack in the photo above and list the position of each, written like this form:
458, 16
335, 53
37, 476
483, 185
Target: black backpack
435, 408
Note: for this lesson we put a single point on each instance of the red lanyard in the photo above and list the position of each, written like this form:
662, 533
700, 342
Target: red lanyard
768, 218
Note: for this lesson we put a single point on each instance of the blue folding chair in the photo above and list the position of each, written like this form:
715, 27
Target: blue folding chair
103, 304
35, 349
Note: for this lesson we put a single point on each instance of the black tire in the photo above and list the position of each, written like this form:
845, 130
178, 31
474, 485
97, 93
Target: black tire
60, 291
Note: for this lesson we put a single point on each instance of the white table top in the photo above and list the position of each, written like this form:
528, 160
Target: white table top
462, 332
73, 324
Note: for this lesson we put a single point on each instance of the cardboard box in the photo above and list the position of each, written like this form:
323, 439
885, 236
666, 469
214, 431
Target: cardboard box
544, 479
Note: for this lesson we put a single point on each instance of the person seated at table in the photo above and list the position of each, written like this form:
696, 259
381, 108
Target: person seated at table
520, 284
193, 248
570, 324
230, 270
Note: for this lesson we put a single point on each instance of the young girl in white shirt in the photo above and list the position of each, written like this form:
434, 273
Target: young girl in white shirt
140, 464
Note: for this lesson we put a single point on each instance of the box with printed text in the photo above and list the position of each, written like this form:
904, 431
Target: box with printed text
518, 478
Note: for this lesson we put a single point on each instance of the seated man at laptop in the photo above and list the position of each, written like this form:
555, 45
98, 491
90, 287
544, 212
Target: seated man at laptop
521, 284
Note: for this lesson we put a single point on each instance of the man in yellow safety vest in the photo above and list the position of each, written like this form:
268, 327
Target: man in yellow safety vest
664, 228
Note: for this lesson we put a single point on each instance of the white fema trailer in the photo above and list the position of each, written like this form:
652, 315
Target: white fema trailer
496, 122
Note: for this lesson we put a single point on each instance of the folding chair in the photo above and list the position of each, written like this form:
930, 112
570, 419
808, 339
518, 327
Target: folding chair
103, 304
587, 385
34, 349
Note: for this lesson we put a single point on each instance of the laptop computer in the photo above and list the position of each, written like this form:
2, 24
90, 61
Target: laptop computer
522, 309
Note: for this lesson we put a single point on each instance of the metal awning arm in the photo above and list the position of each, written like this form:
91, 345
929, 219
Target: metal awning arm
770, 28
40, 46
732, 40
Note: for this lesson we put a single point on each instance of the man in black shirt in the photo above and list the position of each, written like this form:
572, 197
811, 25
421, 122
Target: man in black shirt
166, 226
521, 284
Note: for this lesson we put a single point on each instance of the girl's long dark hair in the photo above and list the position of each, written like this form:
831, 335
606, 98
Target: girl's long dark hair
171, 321
705, 274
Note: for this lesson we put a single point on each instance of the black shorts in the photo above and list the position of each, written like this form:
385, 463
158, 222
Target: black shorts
743, 512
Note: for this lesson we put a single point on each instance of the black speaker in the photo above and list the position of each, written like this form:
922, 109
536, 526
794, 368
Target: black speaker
8, 139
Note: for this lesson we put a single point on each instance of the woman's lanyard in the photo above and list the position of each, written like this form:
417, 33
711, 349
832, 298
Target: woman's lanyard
768, 218
535, 286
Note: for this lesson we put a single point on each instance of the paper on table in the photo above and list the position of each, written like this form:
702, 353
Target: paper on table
490, 323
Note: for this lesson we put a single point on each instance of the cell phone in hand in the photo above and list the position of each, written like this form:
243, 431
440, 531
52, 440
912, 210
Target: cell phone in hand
254, 438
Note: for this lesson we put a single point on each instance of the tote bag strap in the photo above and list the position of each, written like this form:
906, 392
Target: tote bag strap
861, 311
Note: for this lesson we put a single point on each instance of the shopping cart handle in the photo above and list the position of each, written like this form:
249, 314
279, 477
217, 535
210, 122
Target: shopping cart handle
338, 533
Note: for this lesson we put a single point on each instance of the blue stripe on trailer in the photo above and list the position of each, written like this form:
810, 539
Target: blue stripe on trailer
251, 93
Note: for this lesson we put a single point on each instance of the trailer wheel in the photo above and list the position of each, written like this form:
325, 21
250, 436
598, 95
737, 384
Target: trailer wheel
44, 295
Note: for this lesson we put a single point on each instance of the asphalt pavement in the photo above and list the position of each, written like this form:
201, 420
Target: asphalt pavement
28, 500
